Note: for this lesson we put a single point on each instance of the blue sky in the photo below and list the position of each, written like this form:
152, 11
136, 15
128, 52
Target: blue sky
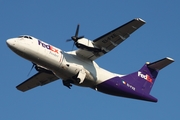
54, 21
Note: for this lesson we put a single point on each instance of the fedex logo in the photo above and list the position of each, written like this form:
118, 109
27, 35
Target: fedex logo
50, 47
146, 77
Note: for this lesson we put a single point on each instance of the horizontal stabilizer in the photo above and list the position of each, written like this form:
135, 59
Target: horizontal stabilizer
158, 65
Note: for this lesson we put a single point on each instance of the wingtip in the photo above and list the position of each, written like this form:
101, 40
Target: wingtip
170, 59
17, 87
139, 19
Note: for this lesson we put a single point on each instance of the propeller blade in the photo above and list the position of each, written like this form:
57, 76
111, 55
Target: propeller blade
75, 38
80, 37
73, 46
68, 40
77, 31
31, 69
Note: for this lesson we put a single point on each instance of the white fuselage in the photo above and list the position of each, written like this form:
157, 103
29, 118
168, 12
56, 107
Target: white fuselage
63, 64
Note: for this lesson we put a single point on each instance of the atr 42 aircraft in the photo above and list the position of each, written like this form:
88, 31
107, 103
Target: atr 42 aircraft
79, 68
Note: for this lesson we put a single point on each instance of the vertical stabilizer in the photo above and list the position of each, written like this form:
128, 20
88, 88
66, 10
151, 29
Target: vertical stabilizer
144, 79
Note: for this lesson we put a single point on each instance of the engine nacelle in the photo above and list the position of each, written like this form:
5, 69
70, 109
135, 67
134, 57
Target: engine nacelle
86, 44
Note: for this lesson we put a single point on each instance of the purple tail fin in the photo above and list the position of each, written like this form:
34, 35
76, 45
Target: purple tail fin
143, 80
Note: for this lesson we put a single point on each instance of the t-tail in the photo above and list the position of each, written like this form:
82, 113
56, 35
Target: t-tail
143, 80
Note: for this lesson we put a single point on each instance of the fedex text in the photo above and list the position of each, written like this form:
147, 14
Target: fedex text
146, 77
47, 46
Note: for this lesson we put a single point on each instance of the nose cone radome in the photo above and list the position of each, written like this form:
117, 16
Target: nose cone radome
10, 42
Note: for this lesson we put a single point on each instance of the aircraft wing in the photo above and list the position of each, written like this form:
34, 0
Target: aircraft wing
111, 39
39, 79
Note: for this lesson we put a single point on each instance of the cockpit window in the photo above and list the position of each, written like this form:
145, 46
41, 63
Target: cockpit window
25, 36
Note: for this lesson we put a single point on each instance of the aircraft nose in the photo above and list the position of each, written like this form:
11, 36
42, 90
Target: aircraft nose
10, 42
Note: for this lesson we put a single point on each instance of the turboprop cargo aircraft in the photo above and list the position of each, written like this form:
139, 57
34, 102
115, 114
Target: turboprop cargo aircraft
78, 67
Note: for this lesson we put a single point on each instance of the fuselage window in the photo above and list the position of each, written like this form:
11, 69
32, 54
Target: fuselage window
28, 37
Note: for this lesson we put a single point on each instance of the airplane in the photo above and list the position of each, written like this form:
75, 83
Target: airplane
78, 67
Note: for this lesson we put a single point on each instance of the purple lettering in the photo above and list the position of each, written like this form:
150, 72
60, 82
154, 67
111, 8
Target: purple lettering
39, 42
43, 44
47, 46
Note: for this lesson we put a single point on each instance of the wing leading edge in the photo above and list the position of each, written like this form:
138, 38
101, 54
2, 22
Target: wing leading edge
111, 39
39, 79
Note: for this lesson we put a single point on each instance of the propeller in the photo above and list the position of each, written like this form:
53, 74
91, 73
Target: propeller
75, 38
31, 68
